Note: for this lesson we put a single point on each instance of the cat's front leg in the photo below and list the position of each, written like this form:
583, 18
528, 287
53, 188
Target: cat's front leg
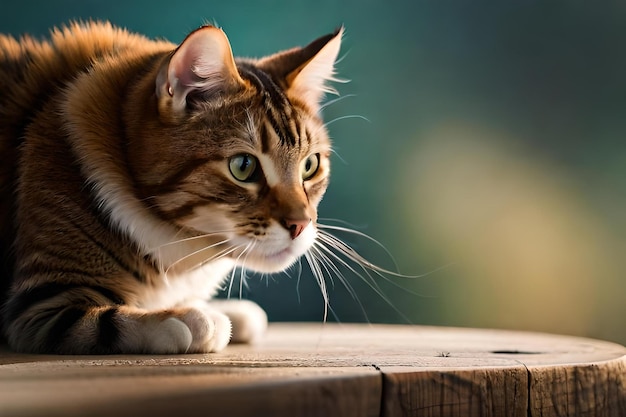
201, 326
67, 325
194, 329
249, 320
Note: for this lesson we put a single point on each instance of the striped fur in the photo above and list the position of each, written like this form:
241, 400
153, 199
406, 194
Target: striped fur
120, 212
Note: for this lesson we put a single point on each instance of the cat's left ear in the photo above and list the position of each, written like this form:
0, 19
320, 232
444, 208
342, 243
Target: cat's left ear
202, 65
306, 72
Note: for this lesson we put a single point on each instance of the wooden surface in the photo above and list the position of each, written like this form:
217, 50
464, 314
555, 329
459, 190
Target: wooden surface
333, 370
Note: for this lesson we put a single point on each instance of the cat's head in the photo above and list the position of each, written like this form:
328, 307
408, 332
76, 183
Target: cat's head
237, 150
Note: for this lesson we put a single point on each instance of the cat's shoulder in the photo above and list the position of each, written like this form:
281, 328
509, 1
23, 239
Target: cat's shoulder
80, 38
97, 37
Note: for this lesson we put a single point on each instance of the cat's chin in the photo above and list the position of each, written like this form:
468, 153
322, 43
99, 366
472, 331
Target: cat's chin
271, 263
271, 260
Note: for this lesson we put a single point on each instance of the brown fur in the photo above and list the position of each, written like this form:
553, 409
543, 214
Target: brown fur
92, 138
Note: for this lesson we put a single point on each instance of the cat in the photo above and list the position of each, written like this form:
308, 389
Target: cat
136, 174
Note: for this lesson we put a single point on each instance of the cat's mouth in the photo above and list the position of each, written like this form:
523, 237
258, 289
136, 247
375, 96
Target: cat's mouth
277, 255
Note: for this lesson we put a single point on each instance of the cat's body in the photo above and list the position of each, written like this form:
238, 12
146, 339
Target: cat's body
134, 176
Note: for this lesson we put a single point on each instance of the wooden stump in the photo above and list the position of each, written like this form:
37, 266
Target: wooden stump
333, 370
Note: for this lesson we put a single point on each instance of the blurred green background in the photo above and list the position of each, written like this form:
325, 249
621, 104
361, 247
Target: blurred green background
493, 158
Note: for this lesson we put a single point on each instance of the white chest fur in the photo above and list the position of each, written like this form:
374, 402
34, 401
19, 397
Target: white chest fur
201, 283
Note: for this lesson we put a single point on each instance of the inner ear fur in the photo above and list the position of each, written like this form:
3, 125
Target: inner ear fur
202, 64
305, 72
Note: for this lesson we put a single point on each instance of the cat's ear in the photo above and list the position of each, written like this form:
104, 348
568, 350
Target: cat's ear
203, 65
306, 72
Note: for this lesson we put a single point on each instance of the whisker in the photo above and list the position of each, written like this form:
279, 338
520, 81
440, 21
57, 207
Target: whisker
357, 258
331, 268
318, 255
335, 100
232, 275
323, 127
298, 280
242, 276
339, 156
218, 255
187, 239
360, 234
332, 219
329, 265
367, 266
319, 277
353, 255
349, 116
371, 282
335, 255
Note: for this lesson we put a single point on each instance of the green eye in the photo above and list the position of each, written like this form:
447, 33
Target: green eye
310, 166
243, 167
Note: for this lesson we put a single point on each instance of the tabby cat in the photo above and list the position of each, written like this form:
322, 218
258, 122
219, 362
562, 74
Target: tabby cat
135, 175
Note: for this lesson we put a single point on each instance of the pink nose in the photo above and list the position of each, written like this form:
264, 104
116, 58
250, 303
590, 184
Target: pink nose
295, 227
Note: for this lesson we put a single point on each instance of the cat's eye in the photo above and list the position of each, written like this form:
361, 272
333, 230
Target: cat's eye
310, 166
243, 167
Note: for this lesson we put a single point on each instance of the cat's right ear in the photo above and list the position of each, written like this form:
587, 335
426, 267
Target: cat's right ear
202, 66
306, 72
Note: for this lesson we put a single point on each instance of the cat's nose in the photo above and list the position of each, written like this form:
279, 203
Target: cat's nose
295, 227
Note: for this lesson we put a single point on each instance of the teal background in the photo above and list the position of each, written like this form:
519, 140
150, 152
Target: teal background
493, 158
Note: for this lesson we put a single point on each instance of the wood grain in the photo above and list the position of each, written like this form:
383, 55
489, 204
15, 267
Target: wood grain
333, 370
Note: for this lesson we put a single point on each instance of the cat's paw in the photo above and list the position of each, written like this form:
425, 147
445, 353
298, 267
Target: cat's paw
210, 329
249, 320
187, 330
168, 336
